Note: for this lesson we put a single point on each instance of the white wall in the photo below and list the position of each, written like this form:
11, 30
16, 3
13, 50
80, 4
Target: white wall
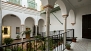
79, 13
22, 15
55, 25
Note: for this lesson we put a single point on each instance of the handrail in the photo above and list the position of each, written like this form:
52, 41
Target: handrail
57, 19
54, 39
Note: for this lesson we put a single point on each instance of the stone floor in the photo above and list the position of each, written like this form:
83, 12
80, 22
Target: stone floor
81, 45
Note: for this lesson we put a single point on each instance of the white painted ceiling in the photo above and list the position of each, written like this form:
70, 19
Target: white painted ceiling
79, 3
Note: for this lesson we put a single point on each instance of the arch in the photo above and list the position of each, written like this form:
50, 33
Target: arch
31, 18
41, 19
62, 6
11, 14
72, 16
11, 21
41, 24
29, 23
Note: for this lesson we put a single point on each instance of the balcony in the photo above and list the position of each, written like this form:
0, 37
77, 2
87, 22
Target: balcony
38, 43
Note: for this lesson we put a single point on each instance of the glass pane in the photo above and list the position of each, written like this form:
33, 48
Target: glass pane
17, 30
31, 3
15, 1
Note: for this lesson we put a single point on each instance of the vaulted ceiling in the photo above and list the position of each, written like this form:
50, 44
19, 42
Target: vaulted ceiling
79, 3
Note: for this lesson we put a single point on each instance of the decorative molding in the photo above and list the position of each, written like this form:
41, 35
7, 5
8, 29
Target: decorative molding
22, 24
48, 6
49, 24
73, 24
65, 16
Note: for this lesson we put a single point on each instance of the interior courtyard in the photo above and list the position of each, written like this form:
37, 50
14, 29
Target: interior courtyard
45, 25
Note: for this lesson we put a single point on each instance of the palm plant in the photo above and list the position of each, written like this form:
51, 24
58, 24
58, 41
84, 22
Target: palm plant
8, 41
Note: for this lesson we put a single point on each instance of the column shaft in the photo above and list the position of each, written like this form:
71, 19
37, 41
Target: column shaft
36, 30
47, 26
22, 29
47, 21
0, 24
65, 30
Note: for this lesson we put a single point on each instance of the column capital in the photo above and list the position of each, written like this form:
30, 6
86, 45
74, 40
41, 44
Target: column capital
73, 24
50, 6
22, 24
36, 25
65, 16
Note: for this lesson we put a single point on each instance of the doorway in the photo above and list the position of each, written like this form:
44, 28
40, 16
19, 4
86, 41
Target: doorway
86, 26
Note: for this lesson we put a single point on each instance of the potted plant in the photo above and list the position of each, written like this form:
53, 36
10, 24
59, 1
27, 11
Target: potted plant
60, 41
27, 33
68, 46
18, 36
74, 40
8, 41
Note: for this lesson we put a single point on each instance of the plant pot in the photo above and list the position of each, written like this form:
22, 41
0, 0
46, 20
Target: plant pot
53, 46
68, 48
59, 43
73, 40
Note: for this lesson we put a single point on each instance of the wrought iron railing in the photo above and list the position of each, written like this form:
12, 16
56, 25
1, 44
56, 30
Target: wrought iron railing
38, 43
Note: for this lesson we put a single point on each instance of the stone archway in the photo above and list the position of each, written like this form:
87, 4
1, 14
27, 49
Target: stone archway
62, 7
10, 23
29, 23
72, 17
41, 25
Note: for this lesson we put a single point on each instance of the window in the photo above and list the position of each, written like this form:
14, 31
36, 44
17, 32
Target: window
17, 30
15, 1
32, 4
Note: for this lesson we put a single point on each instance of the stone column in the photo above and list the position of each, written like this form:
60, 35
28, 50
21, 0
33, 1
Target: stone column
47, 8
65, 28
36, 30
0, 24
22, 29
47, 21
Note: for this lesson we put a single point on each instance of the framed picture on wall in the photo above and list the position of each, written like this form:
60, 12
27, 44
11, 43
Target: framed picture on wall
17, 30
5, 30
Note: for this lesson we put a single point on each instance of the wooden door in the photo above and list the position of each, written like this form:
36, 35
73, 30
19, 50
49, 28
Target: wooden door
86, 26
28, 34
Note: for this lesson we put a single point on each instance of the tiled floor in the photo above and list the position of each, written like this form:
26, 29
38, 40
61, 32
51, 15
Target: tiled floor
81, 45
